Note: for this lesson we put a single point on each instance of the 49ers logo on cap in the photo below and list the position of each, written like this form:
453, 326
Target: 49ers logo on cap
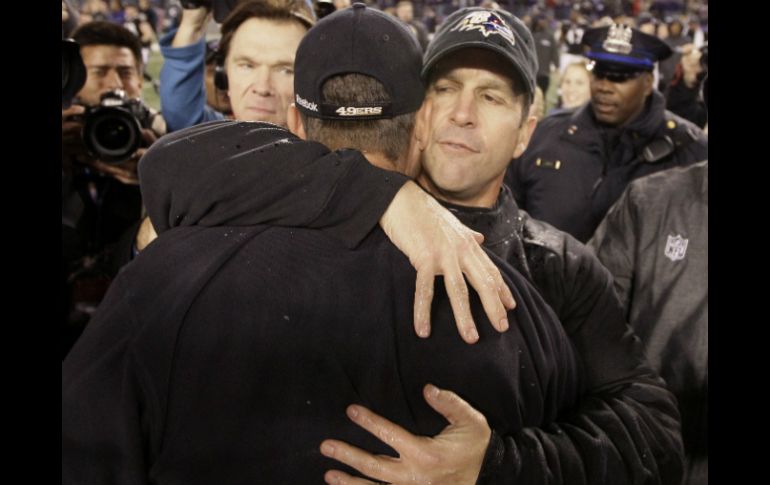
488, 23
353, 111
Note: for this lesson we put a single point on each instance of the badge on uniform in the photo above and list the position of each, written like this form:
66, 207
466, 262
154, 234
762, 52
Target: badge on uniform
555, 165
676, 247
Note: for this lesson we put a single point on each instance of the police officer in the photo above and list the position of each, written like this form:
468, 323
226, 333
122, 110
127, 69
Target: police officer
579, 162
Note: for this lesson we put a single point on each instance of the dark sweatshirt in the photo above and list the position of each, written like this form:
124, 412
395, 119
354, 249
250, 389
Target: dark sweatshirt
625, 425
226, 354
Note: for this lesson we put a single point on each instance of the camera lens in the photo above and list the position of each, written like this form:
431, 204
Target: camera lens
112, 135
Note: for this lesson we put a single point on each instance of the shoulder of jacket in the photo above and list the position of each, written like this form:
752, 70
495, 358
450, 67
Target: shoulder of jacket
682, 131
664, 186
557, 118
554, 125
540, 234
553, 251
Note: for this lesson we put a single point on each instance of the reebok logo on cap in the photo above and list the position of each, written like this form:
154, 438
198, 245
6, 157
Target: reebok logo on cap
488, 23
306, 104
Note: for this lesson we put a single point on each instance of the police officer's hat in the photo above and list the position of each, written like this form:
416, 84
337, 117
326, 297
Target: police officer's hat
623, 48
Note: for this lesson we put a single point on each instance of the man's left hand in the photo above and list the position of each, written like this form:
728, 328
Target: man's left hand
453, 456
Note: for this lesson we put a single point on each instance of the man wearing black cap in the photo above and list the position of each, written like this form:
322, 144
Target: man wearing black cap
580, 161
481, 69
226, 353
465, 155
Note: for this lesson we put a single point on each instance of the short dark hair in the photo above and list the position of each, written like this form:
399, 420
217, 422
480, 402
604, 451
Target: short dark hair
387, 136
100, 32
278, 10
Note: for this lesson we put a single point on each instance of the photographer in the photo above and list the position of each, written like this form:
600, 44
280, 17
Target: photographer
112, 56
101, 146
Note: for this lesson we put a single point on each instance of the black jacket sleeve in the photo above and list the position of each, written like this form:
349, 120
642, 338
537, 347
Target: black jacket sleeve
625, 428
246, 173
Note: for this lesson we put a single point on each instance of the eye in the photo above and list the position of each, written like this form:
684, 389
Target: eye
442, 88
286, 70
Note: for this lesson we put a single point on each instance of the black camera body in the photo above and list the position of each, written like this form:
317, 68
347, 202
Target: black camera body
112, 131
221, 8
324, 8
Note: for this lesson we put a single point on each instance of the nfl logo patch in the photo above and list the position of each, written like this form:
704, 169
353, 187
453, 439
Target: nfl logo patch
676, 247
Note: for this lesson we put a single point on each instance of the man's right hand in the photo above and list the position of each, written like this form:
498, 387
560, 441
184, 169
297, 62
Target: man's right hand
691, 66
145, 235
192, 25
437, 243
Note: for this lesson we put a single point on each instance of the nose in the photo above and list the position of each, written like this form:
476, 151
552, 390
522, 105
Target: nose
112, 80
464, 110
262, 82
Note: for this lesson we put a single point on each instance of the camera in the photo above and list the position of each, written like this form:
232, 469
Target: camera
73, 71
704, 56
220, 7
112, 131
324, 8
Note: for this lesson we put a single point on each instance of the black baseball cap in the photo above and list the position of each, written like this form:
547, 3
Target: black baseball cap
621, 48
359, 40
496, 30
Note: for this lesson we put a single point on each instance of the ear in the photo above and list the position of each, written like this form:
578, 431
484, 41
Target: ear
422, 122
525, 134
294, 122
418, 141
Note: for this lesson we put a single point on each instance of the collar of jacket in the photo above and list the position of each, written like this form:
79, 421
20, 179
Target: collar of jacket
582, 128
502, 227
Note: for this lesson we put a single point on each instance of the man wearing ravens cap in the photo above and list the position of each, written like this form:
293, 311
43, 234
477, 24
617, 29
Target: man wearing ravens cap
480, 70
227, 351
579, 162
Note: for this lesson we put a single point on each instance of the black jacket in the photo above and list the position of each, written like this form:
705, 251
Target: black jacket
618, 379
630, 417
226, 354
575, 169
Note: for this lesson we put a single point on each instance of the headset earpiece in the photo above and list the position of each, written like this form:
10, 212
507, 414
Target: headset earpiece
220, 76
